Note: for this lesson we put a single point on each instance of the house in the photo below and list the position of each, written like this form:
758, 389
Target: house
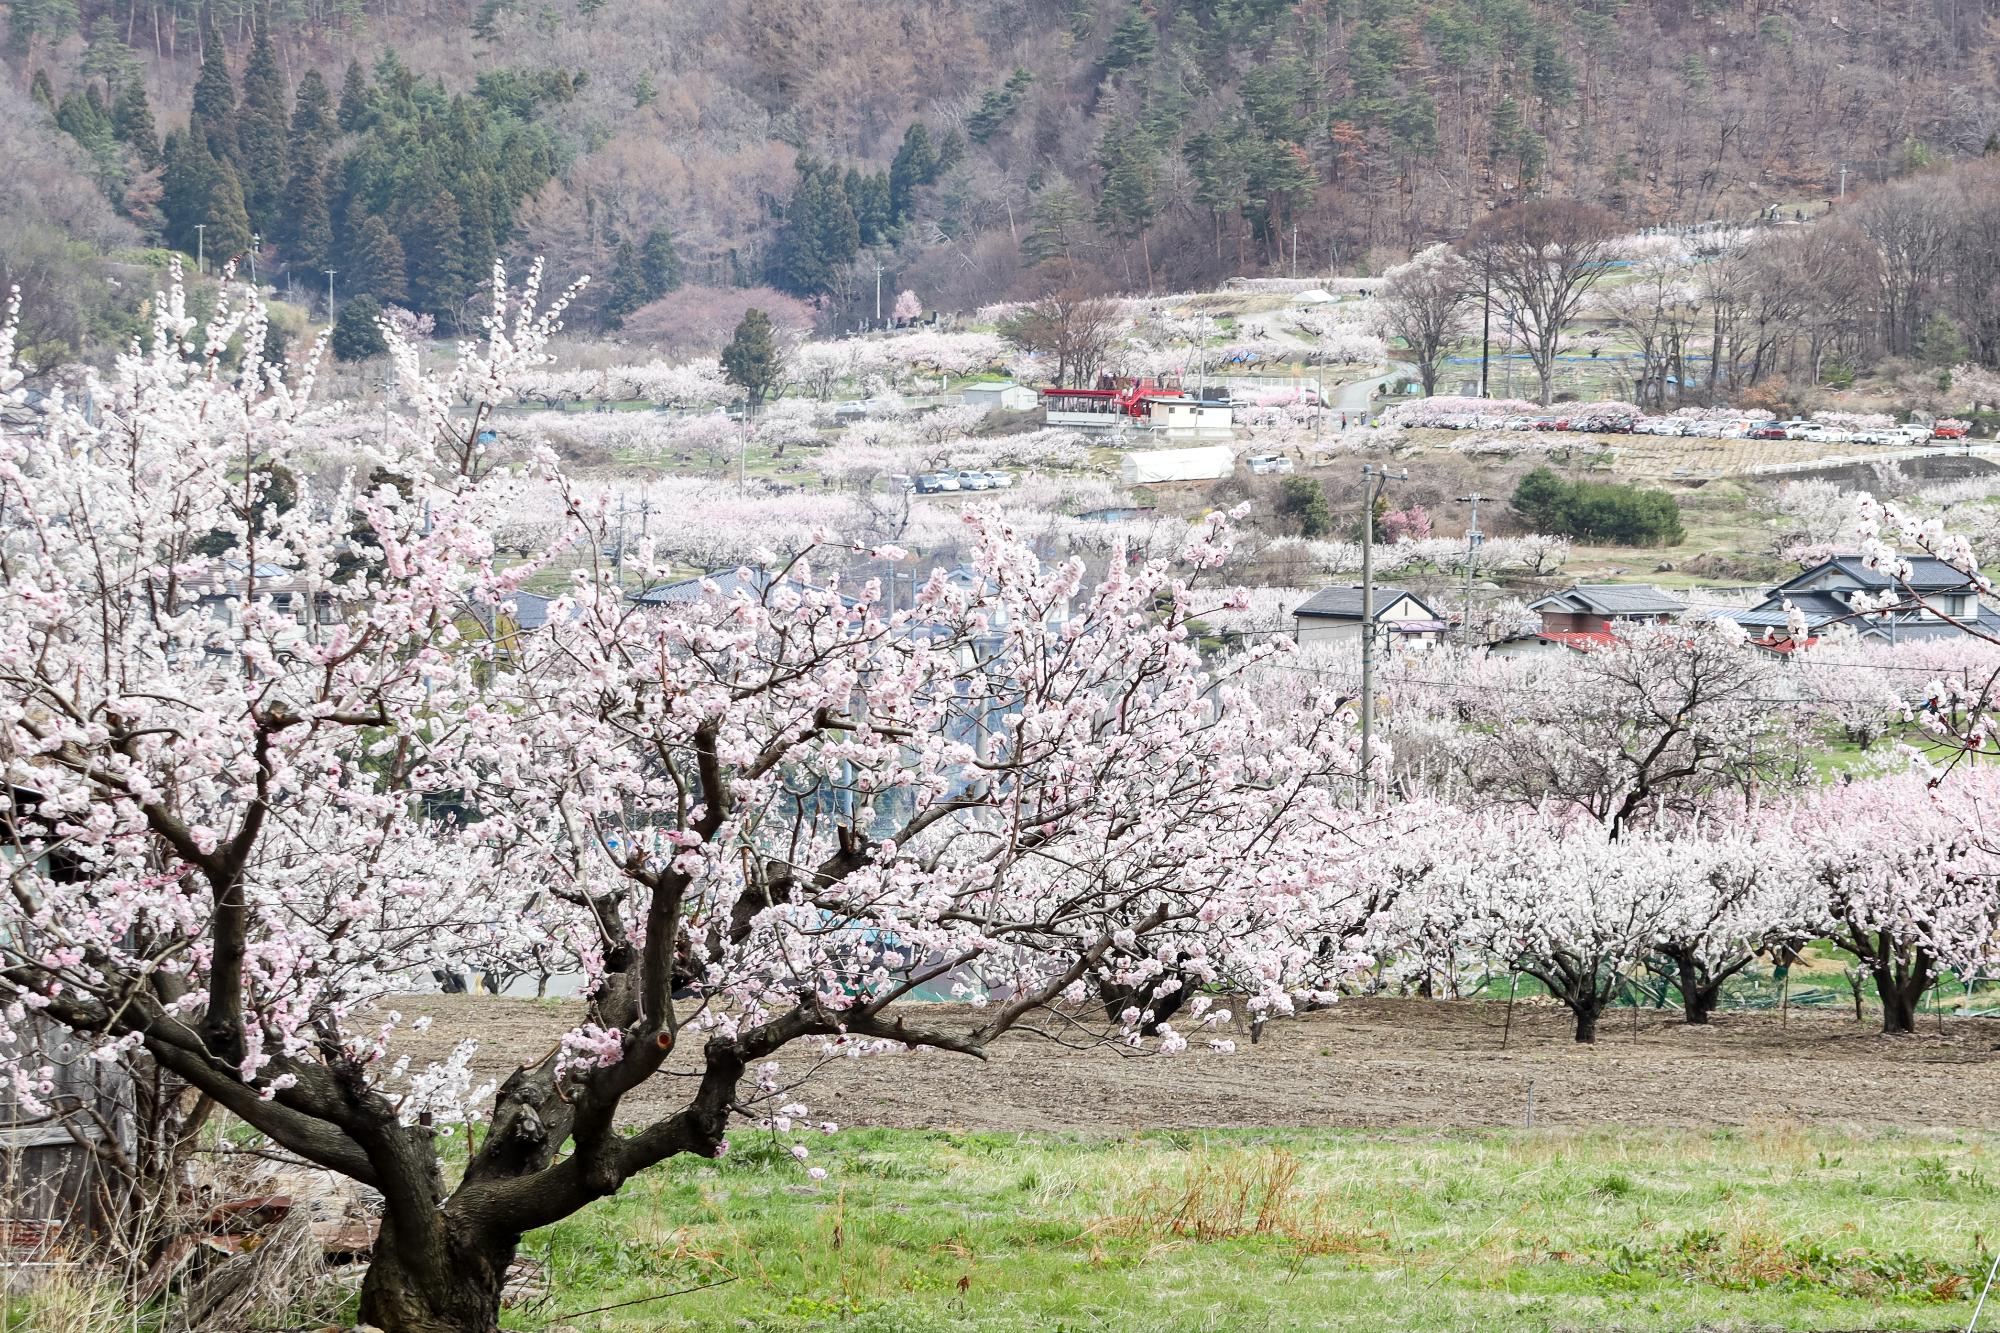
1603, 608
1333, 615
1825, 595
1000, 397
752, 583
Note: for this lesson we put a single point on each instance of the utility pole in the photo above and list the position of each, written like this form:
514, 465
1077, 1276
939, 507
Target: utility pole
1474, 539
201, 247
1485, 330
329, 294
256, 240
1295, 249
878, 291
1372, 481
1843, 180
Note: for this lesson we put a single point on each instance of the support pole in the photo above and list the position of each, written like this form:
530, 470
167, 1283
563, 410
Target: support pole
1372, 481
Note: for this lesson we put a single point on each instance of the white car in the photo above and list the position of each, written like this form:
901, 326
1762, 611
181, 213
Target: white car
1262, 465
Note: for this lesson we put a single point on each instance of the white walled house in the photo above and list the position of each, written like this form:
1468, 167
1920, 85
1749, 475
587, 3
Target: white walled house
1333, 615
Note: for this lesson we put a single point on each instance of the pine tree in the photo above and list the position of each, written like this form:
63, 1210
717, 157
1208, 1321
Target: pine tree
1131, 42
313, 128
132, 122
228, 222
751, 360
42, 90
261, 125
375, 262
357, 335
626, 289
355, 101
433, 238
28, 20
1125, 208
478, 243
308, 223
915, 165
820, 235
107, 57
188, 185
659, 264
215, 97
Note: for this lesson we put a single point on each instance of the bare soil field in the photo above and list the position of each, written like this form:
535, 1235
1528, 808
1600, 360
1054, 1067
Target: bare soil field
1365, 1064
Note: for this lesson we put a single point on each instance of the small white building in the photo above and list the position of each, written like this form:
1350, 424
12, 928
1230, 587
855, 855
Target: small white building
1189, 418
999, 397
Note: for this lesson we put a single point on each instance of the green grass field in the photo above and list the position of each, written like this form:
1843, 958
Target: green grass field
1775, 1227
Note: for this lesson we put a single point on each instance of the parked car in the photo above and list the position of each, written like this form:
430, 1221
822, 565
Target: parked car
1551, 423
1769, 430
1955, 431
1263, 465
1517, 423
932, 483
970, 480
999, 480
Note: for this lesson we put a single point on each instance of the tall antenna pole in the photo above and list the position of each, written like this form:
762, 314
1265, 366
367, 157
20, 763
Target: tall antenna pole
329, 294
201, 247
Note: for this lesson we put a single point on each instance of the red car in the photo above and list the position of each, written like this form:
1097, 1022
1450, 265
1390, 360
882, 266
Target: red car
1954, 431
1769, 431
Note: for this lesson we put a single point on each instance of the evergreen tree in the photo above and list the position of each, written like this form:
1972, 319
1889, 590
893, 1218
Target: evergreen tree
375, 262
82, 117
751, 360
357, 334
951, 151
261, 125
626, 289
868, 196
107, 57
355, 99
188, 185
215, 97
42, 90
1061, 228
132, 122
478, 244
308, 223
659, 264
1125, 208
820, 235
313, 128
433, 237
228, 222
915, 165
1131, 41
47, 20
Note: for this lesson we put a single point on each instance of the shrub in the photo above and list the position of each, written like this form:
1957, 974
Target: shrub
1598, 511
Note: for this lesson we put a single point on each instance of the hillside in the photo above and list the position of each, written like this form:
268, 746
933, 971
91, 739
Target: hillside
790, 143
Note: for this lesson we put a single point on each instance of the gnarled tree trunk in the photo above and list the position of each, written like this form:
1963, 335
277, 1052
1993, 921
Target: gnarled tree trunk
448, 1283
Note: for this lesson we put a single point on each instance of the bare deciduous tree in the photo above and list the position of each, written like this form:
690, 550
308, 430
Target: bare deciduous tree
1424, 302
1069, 326
1542, 258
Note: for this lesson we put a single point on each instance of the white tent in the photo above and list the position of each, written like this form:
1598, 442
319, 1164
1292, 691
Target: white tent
1156, 465
1314, 297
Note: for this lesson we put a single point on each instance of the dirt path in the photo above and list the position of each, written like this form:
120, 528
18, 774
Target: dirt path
1368, 1063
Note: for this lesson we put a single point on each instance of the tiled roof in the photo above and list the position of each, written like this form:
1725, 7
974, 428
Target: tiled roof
1345, 603
1927, 574
728, 582
1613, 599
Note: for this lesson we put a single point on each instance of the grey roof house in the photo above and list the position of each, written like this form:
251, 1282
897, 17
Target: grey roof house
1333, 614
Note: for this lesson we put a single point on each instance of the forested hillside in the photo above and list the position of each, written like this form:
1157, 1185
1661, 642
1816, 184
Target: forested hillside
974, 148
